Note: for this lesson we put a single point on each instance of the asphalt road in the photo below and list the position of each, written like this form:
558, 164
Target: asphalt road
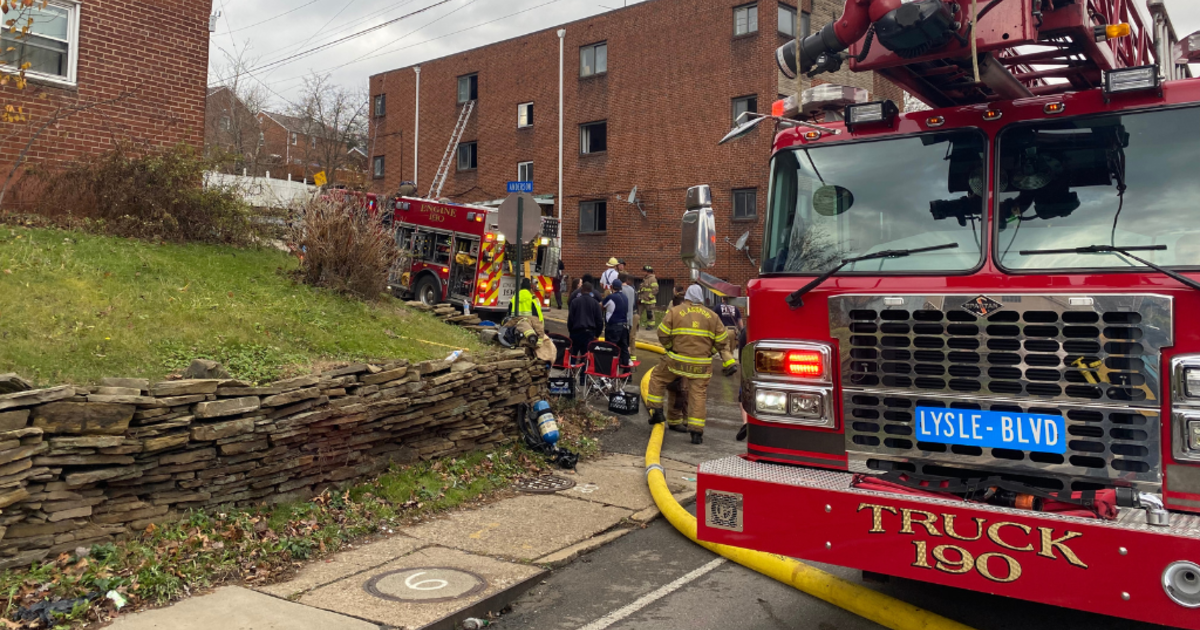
656, 578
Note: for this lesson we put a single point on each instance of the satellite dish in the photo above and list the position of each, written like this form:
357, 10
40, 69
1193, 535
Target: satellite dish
740, 245
633, 195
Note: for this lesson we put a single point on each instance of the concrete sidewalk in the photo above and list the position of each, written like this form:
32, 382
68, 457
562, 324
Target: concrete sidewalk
435, 574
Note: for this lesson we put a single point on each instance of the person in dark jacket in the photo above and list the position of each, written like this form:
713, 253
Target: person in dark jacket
585, 320
616, 318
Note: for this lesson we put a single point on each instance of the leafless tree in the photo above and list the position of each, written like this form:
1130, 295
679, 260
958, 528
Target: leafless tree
335, 118
233, 135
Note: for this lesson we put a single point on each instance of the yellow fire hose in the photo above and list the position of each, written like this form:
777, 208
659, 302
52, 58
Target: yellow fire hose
884, 610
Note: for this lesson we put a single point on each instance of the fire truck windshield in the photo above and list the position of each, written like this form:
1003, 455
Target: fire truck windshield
838, 201
1125, 180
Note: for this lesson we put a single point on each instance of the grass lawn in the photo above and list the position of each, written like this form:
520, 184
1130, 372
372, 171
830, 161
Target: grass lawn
76, 307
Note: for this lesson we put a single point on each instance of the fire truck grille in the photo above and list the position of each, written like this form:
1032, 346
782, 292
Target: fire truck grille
1092, 359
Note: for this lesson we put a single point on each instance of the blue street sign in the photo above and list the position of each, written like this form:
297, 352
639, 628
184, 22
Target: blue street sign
992, 429
520, 187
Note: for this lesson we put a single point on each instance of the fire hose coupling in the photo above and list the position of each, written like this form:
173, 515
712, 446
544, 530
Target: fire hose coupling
653, 467
1156, 513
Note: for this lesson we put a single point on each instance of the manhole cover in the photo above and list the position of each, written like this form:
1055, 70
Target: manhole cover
425, 584
544, 484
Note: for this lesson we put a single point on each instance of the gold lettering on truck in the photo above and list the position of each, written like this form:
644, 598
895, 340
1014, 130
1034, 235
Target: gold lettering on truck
994, 535
876, 516
948, 519
957, 560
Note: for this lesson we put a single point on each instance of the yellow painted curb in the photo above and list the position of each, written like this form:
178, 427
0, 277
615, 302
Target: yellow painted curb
882, 609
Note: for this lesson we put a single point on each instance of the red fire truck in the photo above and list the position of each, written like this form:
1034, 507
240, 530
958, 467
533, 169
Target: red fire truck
458, 253
974, 348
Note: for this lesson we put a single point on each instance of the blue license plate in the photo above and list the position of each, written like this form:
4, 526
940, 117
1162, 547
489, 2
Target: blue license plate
992, 429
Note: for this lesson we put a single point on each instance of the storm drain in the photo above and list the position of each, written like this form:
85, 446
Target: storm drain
546, 484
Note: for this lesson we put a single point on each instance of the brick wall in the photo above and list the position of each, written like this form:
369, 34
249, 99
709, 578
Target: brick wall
674, 67
142, 76
80, 466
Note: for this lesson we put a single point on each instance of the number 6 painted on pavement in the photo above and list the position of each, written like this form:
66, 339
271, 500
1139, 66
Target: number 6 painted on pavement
417, 585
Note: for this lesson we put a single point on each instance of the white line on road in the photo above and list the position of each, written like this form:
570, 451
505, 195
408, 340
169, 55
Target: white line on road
650, 598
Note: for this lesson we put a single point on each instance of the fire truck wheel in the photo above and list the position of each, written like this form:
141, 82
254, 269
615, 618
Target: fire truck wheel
427, 291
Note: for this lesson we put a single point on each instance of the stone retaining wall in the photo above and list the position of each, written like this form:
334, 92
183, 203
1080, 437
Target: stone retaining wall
79, 466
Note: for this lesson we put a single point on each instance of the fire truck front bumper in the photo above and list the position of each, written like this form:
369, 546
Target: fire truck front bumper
1124, 568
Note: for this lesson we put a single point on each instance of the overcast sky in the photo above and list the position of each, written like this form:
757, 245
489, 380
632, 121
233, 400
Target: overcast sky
267, 31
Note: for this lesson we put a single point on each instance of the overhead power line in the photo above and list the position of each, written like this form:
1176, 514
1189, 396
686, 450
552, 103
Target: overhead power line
380, 53
347, 38
344, 28
323, 27
272, 18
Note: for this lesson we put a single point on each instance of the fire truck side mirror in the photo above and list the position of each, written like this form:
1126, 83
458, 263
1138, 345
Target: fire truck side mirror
698, 247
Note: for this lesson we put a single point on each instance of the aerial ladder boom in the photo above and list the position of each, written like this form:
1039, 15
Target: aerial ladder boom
451, 154
957, 52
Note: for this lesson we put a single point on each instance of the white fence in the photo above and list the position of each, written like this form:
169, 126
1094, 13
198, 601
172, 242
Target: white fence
263, 192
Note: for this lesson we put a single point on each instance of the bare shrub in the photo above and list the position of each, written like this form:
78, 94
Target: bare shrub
343, 248
156, 195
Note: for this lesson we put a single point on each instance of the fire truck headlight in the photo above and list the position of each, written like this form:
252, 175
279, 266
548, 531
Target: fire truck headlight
1193, 434
1191, 382
805, 405
772, 402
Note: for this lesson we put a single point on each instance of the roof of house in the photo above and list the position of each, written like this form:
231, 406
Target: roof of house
296, 124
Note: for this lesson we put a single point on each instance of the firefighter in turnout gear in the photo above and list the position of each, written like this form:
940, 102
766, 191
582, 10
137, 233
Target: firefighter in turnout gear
691, 334
527, 312
648, 296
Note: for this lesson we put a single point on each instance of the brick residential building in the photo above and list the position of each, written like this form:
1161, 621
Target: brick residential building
104, 72
299, 148
649, 91
232, 131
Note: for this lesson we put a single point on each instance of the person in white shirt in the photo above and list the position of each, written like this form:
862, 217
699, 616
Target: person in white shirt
609, 276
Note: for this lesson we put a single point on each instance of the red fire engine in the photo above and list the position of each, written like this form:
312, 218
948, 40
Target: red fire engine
974, 348
457, 253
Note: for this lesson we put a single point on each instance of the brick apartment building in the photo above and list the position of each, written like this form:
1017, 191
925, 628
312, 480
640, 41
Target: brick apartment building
649, 91
106, 71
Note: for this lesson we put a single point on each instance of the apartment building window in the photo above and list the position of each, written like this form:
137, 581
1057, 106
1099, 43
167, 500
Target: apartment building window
525, 115
380, 105
593, 59
745, 19
226, 123
295, 139
468, 88
525, 171
51, 47
593, 217
312, 142
593, 137
741, 105
787, 22
377, 167
745, 203
468, 156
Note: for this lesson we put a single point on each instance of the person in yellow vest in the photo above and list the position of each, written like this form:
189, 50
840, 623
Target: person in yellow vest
648, 295
691, 334
531, 325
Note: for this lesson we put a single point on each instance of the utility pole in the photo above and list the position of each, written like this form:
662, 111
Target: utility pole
417, 129
562, 34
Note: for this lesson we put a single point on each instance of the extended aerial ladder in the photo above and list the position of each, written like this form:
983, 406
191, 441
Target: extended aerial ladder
439, 178
959, 52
